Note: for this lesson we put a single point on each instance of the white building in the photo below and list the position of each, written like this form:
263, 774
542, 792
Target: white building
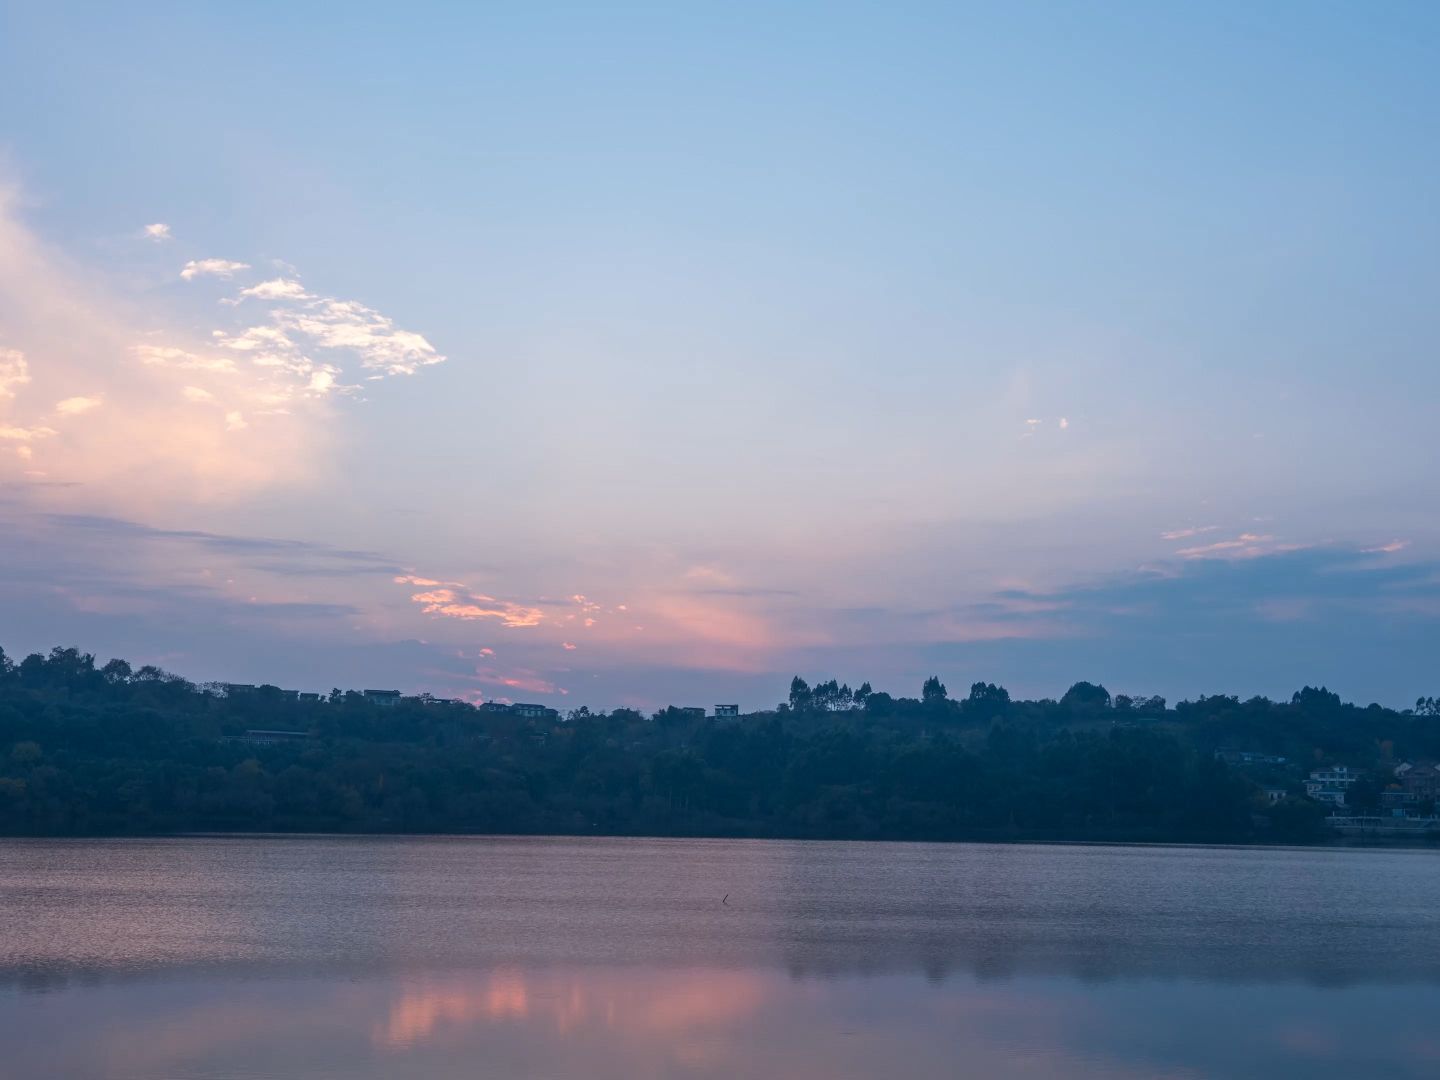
1329, 785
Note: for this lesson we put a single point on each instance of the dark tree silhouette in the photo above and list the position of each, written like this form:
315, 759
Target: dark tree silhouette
111, 749
1086, 697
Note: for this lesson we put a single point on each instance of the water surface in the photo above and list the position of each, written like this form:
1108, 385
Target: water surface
253, 958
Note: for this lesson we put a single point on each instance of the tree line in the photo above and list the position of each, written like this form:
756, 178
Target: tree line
92, 749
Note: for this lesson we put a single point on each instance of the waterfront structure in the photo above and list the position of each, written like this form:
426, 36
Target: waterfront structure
1420, 780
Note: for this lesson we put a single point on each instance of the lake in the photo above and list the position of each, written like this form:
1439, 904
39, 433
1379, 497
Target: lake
247, 958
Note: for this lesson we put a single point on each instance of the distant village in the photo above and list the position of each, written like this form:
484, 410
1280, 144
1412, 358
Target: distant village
1400, 801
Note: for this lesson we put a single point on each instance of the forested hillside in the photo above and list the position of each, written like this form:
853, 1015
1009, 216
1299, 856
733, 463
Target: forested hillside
101, 749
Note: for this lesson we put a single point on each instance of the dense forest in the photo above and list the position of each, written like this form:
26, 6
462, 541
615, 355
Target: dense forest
107, 749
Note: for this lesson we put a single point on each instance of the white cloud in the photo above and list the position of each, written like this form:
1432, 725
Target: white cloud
326, 323
211, 267
146, 446
158, 232
346, 324
1064, 423
74, 406
277, 289
14, 371
264, 422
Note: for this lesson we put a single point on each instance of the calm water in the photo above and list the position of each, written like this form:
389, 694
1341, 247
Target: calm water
490, 958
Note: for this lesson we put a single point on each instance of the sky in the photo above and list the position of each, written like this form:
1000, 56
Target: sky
651, 353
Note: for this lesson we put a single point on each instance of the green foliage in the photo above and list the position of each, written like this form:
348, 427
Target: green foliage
110, 750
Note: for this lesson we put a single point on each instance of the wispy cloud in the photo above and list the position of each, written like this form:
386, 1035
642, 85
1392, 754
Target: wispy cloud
26, 434
524, 679
69, 340
349, 325
277, 289
159, 232
122, 527
1185, 534
1260, 624
1388, 549
469, 606
424, 582
1245, 546
211, 268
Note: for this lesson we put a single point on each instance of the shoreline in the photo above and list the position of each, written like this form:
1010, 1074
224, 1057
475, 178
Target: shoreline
1338, 842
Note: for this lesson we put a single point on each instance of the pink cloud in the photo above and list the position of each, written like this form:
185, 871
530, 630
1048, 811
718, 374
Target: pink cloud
1185, 534
1388, 549
452, 600
517, 679
1244, 546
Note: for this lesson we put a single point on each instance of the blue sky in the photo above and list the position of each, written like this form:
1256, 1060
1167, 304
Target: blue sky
855, 340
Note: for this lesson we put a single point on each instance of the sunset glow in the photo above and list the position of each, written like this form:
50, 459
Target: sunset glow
647, 415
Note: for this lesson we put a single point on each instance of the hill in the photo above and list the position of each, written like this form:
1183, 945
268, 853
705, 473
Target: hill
107, 749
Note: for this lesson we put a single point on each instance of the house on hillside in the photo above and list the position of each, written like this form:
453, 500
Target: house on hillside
727, 712
1420, 779
1330, 784
386, 698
